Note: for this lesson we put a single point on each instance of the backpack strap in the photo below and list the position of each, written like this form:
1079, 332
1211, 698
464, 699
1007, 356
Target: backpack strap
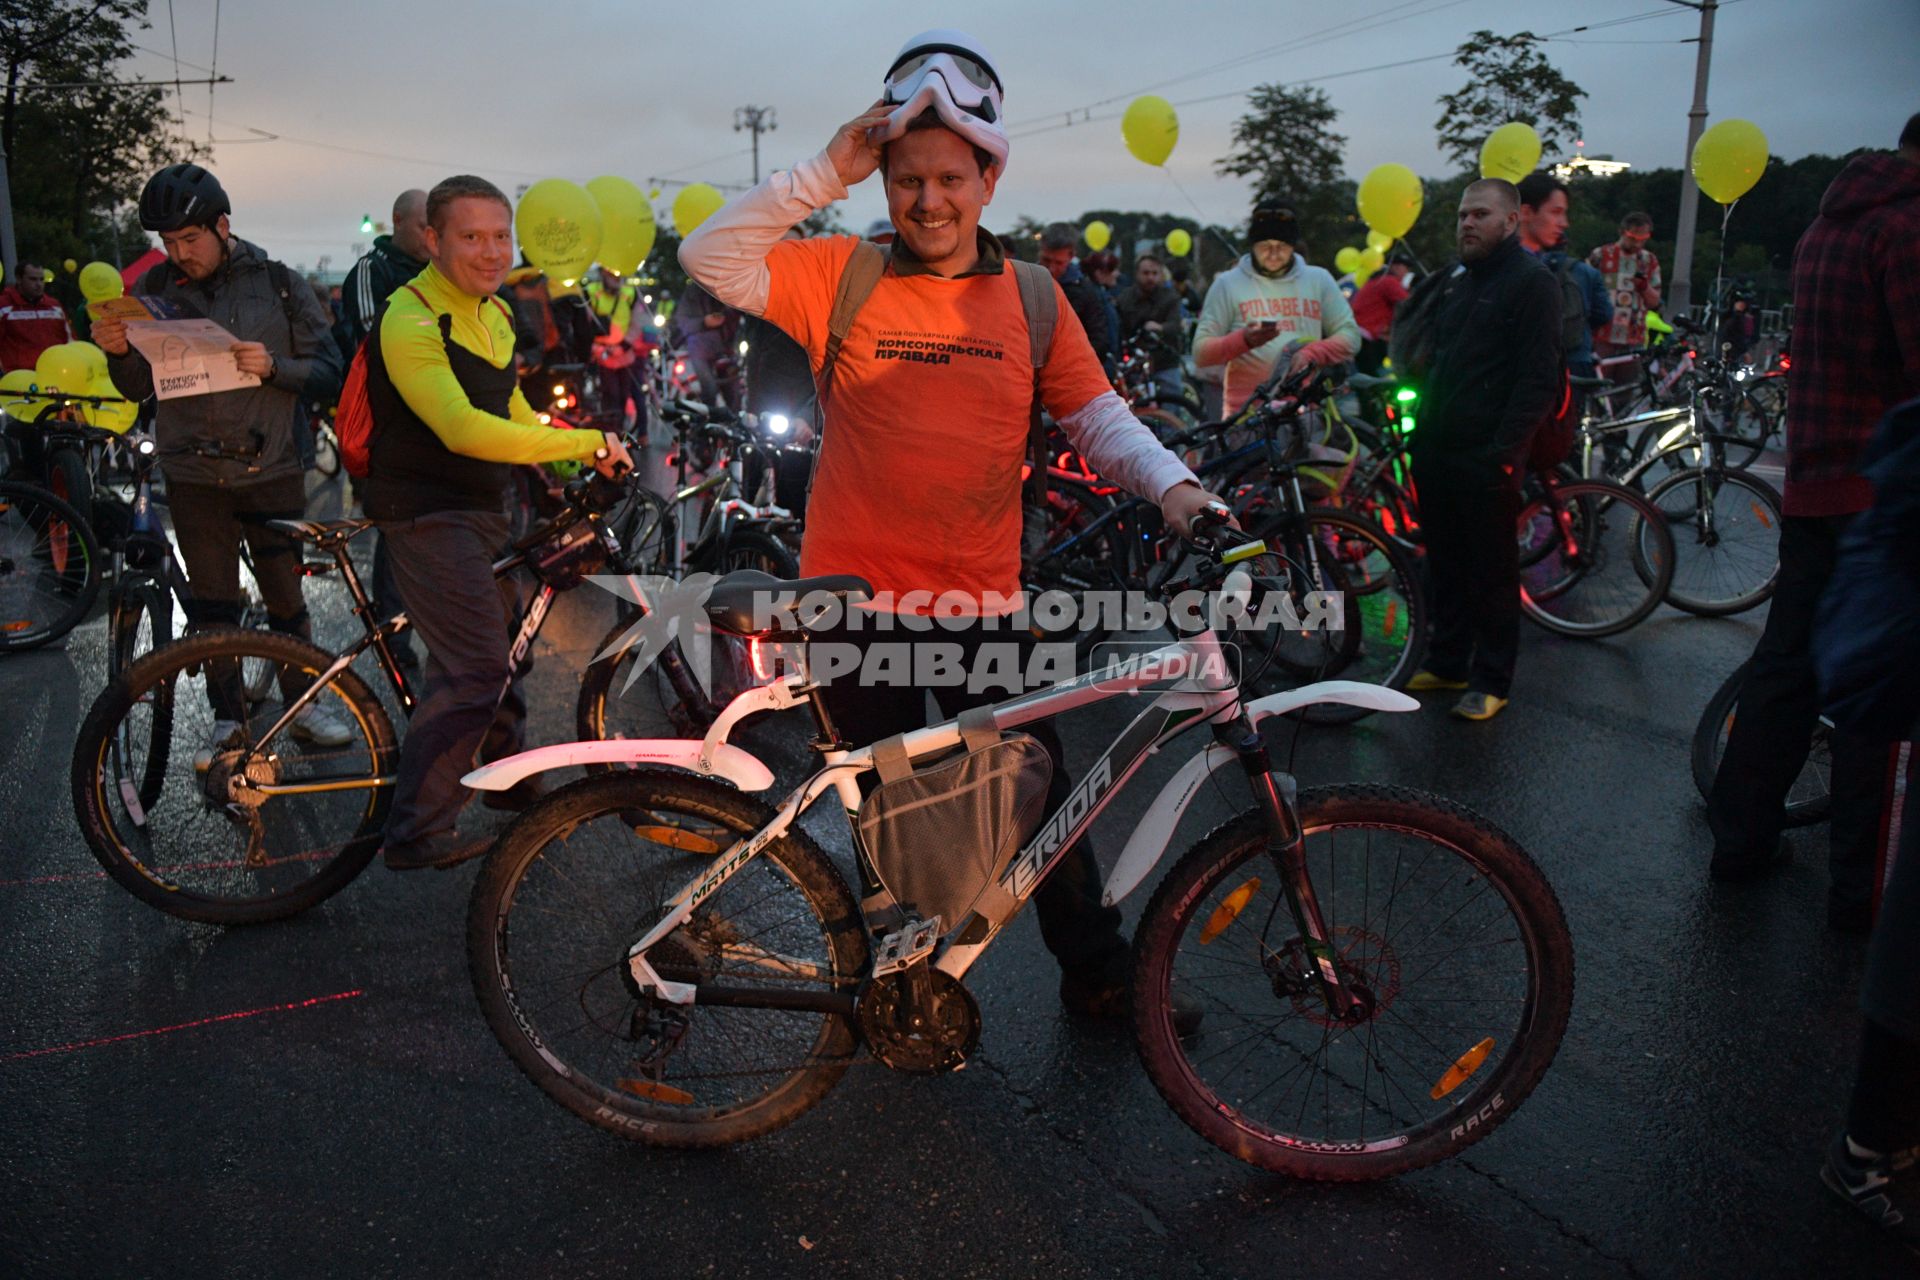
155, 279
1040, 300
857, 281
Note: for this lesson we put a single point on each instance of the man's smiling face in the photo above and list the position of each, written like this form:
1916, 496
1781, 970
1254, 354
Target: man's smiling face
935, 194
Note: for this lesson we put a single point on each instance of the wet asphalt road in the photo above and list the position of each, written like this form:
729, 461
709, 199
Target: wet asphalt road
322, 1097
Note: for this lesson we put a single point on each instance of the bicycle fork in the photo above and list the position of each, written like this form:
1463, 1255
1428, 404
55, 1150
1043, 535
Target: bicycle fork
1277, 795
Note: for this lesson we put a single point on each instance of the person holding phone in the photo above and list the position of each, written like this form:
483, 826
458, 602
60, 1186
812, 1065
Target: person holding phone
1272, 297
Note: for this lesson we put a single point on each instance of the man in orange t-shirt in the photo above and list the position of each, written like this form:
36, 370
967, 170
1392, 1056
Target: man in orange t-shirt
918, 484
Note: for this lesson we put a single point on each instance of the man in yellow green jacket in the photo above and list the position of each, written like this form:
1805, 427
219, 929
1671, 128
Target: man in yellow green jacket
450, 422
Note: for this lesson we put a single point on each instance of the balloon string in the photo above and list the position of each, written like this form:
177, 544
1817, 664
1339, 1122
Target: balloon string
1199, 216
1720, 267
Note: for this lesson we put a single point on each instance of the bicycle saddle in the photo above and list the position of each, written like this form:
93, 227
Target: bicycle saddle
1579, 383
324, 534
1367, 382
745, 601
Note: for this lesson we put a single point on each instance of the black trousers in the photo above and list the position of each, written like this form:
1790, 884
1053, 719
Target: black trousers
1468, 514
209, 522
1779, 706
1885, 1112
443, 564
1083, 935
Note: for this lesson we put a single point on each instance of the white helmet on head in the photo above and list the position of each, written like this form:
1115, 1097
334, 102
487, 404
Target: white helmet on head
948, 71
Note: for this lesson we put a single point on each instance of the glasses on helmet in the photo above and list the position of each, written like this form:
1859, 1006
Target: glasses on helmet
970, 83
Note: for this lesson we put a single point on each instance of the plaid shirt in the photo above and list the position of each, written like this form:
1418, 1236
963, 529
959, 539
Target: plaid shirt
1856, 330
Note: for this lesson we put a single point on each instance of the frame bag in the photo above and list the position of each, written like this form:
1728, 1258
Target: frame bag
940, 837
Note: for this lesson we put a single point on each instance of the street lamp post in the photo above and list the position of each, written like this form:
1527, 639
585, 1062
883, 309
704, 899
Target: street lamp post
759, 120
1680, 289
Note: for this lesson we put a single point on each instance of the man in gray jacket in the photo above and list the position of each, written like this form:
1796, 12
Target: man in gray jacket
229, 456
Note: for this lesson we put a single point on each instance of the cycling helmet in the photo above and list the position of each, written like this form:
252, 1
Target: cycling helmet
182, 195
948, 71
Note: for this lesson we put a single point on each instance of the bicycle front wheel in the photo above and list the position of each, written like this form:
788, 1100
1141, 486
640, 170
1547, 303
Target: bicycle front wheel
580, 877
197, 805
1596, 558
1441, 924
1726, 540
49, 566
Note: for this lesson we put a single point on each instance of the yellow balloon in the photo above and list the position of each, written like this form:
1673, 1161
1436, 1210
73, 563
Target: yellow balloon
1510, 152
559, 228
1729, 159
63, 368
118, 413
1371, 259
1098, 235
99, 281
694, 205
70, 266
1179, 242
626, 221
1389, 199
96, 360
1150, 128
12, 400
1347, 260
1361, 276
1379, 240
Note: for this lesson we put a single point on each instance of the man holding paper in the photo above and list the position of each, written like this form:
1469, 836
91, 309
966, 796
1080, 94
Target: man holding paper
225, 417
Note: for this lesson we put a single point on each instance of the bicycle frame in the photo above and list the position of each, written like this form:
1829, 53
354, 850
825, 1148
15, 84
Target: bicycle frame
953, 946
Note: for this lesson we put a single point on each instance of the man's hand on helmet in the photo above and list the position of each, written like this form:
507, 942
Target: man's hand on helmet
853, 153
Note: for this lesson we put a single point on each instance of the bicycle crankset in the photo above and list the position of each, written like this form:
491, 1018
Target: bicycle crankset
919, 1020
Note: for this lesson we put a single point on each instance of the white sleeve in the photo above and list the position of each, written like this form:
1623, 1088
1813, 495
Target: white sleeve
728, 252
1123, 449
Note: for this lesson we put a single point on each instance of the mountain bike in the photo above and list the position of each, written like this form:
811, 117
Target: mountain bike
256, 825
1383, 976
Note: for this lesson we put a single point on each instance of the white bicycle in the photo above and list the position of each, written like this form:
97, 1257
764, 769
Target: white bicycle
1382, 976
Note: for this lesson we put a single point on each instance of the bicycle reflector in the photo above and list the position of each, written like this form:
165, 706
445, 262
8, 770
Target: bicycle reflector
1468, 1063
1406, 395
1228, 911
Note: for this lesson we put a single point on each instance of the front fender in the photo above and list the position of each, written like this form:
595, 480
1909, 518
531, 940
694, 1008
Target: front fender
739, 767
1150, 838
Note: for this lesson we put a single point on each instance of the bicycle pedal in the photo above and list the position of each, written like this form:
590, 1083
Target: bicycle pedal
905, 947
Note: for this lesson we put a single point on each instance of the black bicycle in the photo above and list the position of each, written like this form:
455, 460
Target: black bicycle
191, 783
1811, 799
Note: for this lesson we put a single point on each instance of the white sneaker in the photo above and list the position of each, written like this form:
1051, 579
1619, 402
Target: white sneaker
322, 726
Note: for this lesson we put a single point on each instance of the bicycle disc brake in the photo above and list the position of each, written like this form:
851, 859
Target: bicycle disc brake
1367, 964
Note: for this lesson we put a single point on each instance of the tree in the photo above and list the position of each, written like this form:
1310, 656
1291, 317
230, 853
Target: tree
1287, 145
80, 138
1508, 79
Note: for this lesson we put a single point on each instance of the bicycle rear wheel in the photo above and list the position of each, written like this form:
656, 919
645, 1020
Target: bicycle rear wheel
49, 566
580, 877
1441, 923
1811, 798
245, 826
1596, 558
1726, 540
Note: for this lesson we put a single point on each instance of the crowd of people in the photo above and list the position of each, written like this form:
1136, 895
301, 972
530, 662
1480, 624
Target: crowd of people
917, 483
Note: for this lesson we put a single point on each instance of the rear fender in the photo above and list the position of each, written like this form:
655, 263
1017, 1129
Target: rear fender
719, 760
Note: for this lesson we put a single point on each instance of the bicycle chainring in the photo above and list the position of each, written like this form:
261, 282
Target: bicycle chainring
929, 1036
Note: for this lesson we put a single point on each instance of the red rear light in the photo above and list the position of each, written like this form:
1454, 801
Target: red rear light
1786, 362
679, 366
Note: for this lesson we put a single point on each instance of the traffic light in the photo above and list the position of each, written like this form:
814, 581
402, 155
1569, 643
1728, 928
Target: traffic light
366, 225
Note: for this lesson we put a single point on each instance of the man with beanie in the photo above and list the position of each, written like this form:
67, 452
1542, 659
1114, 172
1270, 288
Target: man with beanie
1496, 375
1270, 298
